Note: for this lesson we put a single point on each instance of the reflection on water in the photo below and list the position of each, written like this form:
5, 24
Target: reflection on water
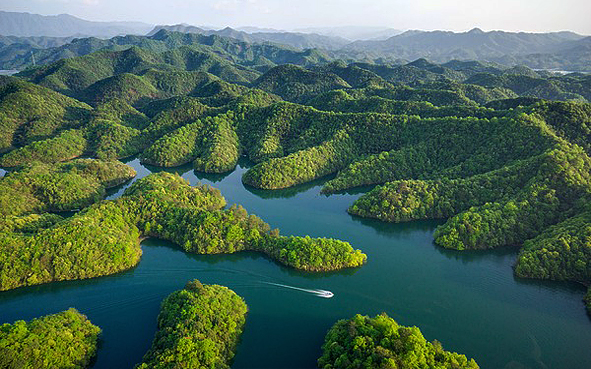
470, 301
284, 193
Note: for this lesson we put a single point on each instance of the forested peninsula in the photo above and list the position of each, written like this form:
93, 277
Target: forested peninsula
105, 238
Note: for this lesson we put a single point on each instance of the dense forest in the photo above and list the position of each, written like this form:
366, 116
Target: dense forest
198, 327
39, 187
65, 340
467, 141
380, 342
501, 154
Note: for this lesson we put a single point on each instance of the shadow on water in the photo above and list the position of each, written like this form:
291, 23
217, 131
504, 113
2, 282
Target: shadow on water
286, 193
212, 177
240, 256
359, 190
109, 192
397, 229
180, 170
467, 256
62, 286
556, 286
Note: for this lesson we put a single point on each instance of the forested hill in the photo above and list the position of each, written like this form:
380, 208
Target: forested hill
501, 153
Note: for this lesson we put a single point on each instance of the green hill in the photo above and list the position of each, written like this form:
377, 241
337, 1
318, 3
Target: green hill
29, 112
364, 342
294, 83
208, 331
63, 340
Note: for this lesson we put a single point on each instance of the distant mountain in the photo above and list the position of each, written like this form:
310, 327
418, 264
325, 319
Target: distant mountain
255, 56
298, 40
570, 56
40, 42
64, 25
354, 33
443, 46
250, 29
294, 83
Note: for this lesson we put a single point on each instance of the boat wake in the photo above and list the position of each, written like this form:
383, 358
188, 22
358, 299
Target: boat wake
320, 293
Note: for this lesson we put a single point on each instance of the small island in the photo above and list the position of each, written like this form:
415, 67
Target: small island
366, 343
198, 327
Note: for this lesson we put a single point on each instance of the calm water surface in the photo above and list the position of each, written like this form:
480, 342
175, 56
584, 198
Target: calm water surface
470, 301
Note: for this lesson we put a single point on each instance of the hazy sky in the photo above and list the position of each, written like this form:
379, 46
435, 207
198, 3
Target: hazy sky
457, 15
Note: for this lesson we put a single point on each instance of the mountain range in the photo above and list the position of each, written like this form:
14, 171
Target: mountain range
564, 50
64, 25
294, 39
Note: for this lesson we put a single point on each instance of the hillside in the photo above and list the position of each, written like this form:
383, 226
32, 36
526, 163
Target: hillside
477, 144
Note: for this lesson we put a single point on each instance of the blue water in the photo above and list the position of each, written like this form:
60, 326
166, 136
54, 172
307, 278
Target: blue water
470, 301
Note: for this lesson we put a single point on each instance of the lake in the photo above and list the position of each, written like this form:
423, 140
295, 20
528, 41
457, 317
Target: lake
470, 301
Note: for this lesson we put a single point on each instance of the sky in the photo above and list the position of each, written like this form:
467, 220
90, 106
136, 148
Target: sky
454, 15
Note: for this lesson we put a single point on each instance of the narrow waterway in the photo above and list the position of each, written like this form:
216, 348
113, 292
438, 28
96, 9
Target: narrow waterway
470, 301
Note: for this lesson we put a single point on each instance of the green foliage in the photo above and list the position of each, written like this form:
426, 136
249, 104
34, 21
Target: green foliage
179, 147
74, 76
111, 140
405, 200
198, 327
364, 342
29, 113
570, 120
67, 145
303, 166
65, 340
561, 252
126, 86
211, 143
165, 189
446, 148
31, 223
294, 83
121, 112
59, 187
435, 96
363, 101
97, 241
504, 174
221, 146
104, 238
552, 88
172, 114
194, 218
561, 184
312, 254
502, 207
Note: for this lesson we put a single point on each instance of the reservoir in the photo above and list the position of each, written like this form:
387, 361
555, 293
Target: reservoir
470, 301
